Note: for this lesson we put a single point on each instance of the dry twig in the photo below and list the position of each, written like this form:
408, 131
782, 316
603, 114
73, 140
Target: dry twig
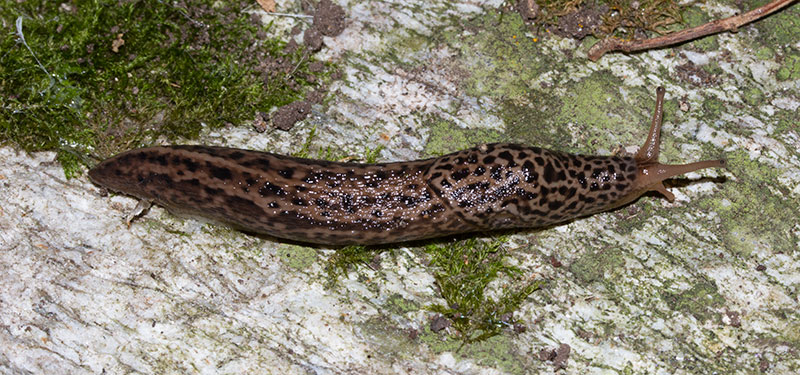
611, 44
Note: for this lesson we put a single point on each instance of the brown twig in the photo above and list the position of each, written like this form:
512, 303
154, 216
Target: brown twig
728, 24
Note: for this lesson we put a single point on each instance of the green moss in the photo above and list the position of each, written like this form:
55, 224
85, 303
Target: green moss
496, 352
712, 107
399, 305
790, 68
349, 258
463, 272
787, 121
594, 266
753, 96
585, 120
532, 122
696, 17
297, 257
501, 61
747, 223
179, 70
446, 137
699, 300
765, 53
386, 339
779, 29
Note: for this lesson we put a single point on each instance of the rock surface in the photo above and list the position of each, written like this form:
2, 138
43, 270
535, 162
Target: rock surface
707, 284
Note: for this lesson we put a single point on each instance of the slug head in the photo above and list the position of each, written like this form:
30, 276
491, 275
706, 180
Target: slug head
651, 173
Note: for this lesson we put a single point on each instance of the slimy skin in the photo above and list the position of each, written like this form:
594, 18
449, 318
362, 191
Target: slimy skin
489, 187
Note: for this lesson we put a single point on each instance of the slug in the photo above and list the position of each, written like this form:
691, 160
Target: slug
489, 187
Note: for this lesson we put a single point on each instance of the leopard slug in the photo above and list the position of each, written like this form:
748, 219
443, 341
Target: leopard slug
489, 187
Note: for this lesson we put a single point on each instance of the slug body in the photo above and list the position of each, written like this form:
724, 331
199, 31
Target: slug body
493, 186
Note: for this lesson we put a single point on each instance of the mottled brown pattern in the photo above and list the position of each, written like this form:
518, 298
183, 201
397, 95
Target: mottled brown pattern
489, 187
493, 186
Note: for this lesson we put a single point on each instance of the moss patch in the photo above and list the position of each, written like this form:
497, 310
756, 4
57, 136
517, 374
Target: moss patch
779, 29
747, 223
446, 137
501, 60
699, 300
297, 257
397, 304
585, 120
463, 272
790, 68
83, 77
696, 17
388, 340
349, 258
594, 266
496, 352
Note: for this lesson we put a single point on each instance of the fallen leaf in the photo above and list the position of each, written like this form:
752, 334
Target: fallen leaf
267, 5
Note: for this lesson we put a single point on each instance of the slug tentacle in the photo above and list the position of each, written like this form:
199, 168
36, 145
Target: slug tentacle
489, 187
651, 173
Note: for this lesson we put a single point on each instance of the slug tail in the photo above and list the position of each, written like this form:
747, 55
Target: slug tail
651, 173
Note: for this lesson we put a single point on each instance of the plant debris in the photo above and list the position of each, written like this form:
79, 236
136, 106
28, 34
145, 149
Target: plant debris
97, 77
558, 356
728, 24
285, 117
600, 18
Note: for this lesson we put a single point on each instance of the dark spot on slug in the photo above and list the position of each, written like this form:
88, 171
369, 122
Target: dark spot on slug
549, 173
190, 164
242, 206
509, 158
161, 159
347, 203
409, 201
286, 173
221, 173
460, 174
213, 191
496, 173
270, 188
